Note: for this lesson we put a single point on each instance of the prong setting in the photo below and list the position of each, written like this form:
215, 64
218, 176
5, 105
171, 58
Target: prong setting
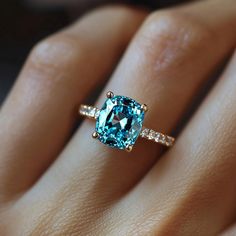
144, 107
129, 148
110, 94
95, 135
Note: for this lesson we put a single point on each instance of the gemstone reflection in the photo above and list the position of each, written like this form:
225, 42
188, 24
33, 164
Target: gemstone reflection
120, 122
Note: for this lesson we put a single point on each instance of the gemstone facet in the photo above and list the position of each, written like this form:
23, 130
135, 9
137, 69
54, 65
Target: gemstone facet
120, 122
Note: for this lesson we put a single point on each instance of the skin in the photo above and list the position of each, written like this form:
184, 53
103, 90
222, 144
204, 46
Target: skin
56, 183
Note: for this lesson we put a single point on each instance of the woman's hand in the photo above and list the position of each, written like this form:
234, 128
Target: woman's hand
51, 184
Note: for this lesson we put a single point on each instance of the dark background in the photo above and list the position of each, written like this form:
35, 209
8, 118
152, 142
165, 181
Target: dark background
23, 24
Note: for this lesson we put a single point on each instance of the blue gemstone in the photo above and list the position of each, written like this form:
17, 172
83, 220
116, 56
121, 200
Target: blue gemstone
120, 122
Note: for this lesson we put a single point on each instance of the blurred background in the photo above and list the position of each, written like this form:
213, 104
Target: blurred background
25, 22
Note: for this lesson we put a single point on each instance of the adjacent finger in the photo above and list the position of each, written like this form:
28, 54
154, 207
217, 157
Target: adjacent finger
230, 232
40, 112
192, 190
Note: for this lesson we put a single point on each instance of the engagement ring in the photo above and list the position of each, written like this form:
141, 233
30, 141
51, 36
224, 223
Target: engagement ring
119, 123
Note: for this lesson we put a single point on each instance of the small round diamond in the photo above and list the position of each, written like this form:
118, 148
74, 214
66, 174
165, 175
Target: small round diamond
145, 133
152, 135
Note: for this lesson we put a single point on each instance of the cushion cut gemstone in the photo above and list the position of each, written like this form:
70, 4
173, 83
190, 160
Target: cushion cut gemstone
120, 122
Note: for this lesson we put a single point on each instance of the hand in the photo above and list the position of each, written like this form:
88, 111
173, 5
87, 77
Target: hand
55, 184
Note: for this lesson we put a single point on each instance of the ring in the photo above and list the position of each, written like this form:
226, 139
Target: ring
119, 123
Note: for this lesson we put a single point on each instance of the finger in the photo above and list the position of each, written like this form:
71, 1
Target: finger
156, 70
230, 232
39, 115
192, 190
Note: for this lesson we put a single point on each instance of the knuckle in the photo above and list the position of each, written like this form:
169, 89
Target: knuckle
118, 9
170, 34
122, 10
178, 25
55, 54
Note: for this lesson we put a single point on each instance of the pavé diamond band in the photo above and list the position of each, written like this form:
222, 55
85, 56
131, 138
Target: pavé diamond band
119, 123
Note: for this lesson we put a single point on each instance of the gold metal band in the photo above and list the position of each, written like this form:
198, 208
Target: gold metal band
149, 134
